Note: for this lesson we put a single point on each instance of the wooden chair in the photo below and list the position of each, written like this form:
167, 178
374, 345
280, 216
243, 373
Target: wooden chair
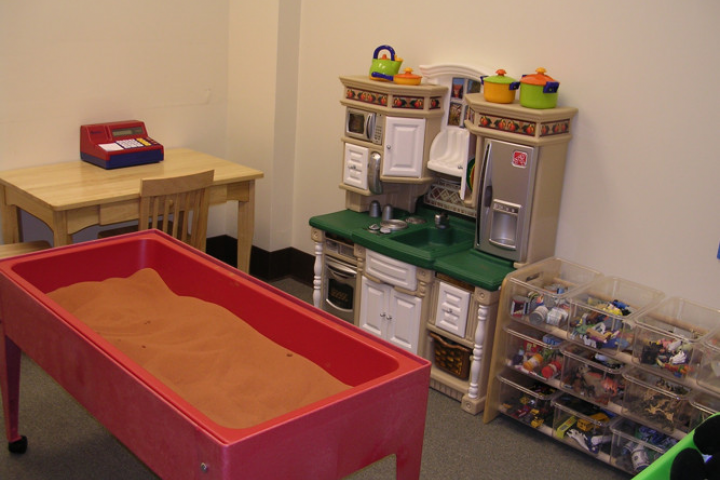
178, 206
12, 249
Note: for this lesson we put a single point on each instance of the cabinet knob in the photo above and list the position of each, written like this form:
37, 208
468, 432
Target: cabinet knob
389, 317
382, 315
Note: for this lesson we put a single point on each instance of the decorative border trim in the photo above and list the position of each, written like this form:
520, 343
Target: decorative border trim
523, 127
366, 96
399, 101
413, 103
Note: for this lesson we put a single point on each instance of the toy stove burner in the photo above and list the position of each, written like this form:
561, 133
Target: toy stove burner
388, 226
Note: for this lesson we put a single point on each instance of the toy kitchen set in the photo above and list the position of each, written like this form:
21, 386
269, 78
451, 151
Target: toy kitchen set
447, 191
453, 189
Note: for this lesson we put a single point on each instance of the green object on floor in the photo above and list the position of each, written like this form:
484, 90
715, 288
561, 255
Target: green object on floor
660, 468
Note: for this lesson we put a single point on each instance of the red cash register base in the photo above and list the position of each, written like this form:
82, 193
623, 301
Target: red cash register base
118, 144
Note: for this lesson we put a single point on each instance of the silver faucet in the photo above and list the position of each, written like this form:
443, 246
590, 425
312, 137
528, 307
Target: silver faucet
387, 213
442, 220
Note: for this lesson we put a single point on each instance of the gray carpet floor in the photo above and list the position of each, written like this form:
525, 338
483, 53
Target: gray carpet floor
66, 443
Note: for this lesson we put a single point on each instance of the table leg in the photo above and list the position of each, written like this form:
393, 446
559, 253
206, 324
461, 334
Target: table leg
408, 461
10, 220
246, 228
60, 230
10, 385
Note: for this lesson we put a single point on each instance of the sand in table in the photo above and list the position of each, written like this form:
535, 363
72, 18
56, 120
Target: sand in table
206, 354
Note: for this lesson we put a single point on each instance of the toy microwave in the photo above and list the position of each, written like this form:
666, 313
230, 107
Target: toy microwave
118, 144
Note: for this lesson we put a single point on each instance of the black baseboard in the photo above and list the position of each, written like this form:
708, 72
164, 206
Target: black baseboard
267, 266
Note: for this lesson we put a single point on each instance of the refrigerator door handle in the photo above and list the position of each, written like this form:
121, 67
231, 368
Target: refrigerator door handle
488, 196
486, 188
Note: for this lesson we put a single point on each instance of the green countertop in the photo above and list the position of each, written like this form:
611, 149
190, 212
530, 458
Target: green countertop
477, 268
459, 260
342, 223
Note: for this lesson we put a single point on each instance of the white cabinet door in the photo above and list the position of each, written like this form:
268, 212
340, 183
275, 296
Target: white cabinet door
404, 322
404, 139
390, 315
355, 166
372, 306
452, 309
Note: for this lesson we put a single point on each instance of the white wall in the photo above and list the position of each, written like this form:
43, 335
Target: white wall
263, 60
641, 196
258, 83
64, 64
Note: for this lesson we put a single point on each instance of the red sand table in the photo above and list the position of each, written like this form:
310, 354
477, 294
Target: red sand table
382, 414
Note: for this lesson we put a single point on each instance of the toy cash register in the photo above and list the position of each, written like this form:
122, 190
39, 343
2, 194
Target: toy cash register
118, 144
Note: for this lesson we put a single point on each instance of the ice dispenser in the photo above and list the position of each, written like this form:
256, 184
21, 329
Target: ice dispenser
506, 193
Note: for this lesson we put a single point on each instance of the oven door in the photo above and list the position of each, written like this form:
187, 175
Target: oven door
339, 289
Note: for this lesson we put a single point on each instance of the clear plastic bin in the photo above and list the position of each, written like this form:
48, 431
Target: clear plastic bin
668, 335
660, 469
656, 401
708, 376
525, 399
602, 316
538, 291
532, 351
704, 405
582, 425
593, 376
636, 446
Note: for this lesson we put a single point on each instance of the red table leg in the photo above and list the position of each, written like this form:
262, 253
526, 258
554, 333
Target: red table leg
408, 461
10, 385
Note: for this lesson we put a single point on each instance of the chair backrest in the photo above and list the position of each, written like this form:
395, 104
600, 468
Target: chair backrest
178, 206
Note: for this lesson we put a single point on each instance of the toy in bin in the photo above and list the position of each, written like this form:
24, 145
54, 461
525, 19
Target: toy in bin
657, 401
695, 457
581, 424
539, 292
118, 144
592, 375
670, 336
526, 400
533, 352
636, 446
604, 315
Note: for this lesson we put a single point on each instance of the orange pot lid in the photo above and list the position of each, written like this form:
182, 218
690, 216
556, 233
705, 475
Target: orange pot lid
499, 78
408, 77
538, 78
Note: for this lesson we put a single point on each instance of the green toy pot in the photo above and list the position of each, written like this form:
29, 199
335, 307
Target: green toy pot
538, 90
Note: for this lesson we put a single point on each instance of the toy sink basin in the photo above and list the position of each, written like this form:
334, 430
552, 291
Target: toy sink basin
418, 245
432, 239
